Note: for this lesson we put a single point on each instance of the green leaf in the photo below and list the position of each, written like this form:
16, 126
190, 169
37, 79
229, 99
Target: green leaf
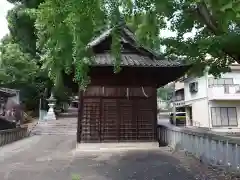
58, 31
227, 6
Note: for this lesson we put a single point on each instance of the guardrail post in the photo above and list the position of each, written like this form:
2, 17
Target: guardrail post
193, 144
181, 138
165, 135
221, 147
174, 138
202, 146
214, 152
236, 156
226, 155
207, 147
210, 150
185, 142
195, 141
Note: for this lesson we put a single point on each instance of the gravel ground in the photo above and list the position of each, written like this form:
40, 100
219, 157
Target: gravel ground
55, 158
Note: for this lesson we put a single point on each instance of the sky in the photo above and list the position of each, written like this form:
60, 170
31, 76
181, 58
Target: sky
4, 7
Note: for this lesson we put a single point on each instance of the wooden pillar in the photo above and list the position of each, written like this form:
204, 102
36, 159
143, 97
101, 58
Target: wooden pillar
100, 118
155, 111
135, 118
80, 115
118, 120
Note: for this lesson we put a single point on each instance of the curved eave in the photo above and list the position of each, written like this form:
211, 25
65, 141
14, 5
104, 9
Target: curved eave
131, 76
141, 66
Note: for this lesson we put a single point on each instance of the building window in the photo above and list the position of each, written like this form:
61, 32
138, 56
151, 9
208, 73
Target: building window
224, 116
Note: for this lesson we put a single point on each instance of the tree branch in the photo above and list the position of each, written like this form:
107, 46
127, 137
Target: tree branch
212, 25
204, 13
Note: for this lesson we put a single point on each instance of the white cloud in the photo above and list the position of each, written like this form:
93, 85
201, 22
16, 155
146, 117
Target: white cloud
4, 7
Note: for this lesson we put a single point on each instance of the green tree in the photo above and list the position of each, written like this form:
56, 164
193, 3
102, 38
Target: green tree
21, 65
16, 66
20, 71
216, 24
65, 27
164, 93
21, 25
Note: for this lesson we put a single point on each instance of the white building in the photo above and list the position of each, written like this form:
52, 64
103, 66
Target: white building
212, 103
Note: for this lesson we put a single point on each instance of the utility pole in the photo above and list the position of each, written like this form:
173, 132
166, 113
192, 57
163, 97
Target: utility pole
174, 107
40, 109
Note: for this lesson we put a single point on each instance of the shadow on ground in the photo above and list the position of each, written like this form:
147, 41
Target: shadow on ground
55, 158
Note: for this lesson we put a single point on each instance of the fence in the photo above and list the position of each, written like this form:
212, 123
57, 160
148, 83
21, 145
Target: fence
214, 149
11, 135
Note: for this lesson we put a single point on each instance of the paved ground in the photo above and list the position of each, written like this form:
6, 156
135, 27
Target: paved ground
55, 158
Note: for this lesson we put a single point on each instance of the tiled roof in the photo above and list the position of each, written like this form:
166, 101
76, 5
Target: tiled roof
133, 60
140, 57
100, 38
127, 36
6, 92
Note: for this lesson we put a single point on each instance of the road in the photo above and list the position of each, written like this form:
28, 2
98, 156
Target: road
163, 118
56, 158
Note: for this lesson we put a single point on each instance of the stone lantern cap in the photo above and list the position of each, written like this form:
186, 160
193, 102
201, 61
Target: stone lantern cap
51, 99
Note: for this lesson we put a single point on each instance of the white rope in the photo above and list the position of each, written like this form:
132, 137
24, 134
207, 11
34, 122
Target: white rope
128, 93
144, 92
103, 90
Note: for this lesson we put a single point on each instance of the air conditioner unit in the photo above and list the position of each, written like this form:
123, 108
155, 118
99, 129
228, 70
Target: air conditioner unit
193, 87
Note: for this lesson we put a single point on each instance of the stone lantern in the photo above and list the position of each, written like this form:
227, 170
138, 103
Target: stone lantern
51, 103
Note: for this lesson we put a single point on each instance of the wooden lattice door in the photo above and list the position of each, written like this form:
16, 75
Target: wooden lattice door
109, 120
145, 120
127, 121
113, 120
91, 121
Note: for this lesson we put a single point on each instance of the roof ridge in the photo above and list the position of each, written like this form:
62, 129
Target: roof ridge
128, 32
106, 59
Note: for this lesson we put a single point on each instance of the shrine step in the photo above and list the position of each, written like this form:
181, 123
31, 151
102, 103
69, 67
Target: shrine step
52, 133
62, 126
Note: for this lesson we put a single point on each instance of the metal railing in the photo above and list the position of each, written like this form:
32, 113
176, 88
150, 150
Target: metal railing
217, 150
195, 124
227, 88
11, 135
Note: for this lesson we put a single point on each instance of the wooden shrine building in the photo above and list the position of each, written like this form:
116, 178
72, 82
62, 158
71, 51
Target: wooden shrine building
123, 106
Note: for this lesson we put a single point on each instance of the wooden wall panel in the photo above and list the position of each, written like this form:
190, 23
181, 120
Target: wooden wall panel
114, 117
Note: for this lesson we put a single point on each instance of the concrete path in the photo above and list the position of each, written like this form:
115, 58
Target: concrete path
56, 158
